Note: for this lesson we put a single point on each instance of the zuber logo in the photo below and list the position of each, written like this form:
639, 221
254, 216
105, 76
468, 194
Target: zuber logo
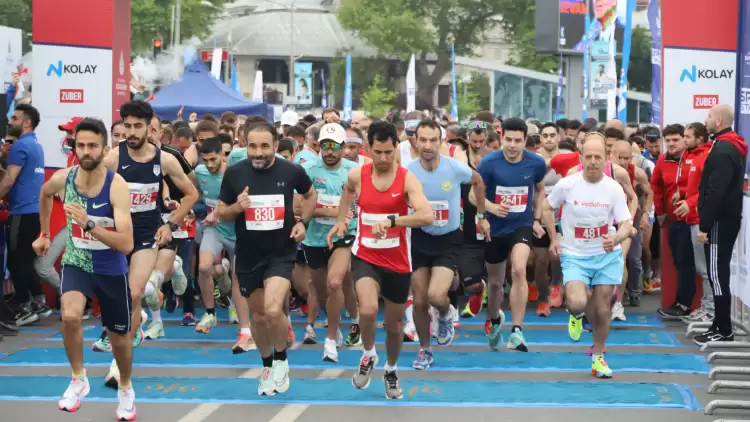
76, 69
693, 74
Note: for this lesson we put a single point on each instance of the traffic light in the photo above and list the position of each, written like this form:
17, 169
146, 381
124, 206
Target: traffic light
158, 45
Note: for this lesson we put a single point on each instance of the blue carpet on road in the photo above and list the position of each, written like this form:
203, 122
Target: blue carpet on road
464, 337
348, 359
341, 393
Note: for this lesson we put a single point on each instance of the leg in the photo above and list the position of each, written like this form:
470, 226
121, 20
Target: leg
276, 290
394, 327
141, 265
338, 271
682, 252
73, 304
602, 299
519, 292
706, 309
206, 259
420, 283
368, 292
721, 241
635, 273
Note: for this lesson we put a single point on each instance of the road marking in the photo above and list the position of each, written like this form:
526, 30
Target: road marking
290, 413
331, 373
201, 412
251, 373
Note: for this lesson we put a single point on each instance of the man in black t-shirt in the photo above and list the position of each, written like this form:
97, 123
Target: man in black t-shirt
257, 194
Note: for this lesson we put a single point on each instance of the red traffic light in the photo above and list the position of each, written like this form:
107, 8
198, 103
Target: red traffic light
157, 43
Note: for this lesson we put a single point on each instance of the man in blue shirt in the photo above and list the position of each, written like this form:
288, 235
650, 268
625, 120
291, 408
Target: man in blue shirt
22, 183
515, 195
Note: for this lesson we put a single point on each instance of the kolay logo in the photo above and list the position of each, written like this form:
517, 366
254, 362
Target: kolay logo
693, 74
70, 69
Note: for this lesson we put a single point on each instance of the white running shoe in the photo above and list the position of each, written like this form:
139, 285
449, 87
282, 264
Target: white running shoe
154, 331
112, 380
410, 332
126, 408
265, 383
77, 389
179, 281
281, 376
618, 312
330, 352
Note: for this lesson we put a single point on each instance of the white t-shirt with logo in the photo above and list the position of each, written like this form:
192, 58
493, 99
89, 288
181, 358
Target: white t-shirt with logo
588, 212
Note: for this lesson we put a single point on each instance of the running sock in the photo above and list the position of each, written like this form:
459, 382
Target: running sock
245, 331
495, 321
150, 289
389, 368
279, 355
355, 320
157, 277
156, 315
211, 311
595, 357
267, 362
370, 353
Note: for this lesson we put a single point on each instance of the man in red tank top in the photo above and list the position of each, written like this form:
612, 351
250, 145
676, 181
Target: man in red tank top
382, 258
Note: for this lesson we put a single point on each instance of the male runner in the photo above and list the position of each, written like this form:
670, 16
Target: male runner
100, 234
143, 167
589, 248
435, 248
513, 177
330, 266
381, 263
257, 194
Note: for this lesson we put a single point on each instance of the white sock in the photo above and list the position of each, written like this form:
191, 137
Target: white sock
389, 368
595, 357
156, 315
150, 289
355, 320
370, 353
157, 277
245, 331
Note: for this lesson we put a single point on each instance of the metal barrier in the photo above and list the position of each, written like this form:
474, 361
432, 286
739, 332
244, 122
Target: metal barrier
740, 322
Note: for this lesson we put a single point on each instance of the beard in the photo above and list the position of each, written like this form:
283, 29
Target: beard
90, 163
261, 162
135, 142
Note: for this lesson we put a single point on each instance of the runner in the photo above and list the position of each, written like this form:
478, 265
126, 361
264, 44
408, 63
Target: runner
330, 267
513, 177
589, 248
257, 194
436, 248
100, 234
143, 167
382, 263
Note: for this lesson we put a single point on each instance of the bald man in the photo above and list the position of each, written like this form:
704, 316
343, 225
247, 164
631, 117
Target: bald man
615, 123
720, 212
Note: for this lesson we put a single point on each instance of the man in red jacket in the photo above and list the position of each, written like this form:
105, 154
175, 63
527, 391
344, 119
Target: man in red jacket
669, 183
696, 136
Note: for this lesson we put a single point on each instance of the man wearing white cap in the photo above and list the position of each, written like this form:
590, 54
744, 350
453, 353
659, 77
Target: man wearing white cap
288, 119
330, 266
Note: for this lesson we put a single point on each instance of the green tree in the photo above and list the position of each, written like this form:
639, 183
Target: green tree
17, 14
480, 85
469, 100
364, 71
377, 100
152, 19
639, 72
404, 27
519, 27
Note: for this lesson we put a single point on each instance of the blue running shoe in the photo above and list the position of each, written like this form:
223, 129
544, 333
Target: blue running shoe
517, 341
495, 337
424, 360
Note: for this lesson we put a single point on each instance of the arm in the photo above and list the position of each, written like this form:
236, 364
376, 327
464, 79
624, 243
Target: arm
121, 239
622, 177
307, 203
717, 177
657, 188
538, 206
172, 168
460, 155
478, 190
642, 180
191, 155
112, 160
55, 184
548, 218
348, 193
9, 180
422, 215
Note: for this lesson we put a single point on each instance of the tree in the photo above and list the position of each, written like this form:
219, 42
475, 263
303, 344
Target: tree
519, 27
480, 85
404, 27
364, 71
469, 100
152, 19
639, 72
17, 14
377, 100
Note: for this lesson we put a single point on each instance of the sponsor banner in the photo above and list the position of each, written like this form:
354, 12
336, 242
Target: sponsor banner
740, 280
120, 82
607, 17
69, 81
742, 113
303, 74
694, 80
10, 55
602, 82
654, 22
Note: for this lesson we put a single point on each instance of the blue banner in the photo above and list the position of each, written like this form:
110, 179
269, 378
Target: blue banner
742, 117
324, 100
235, 77
586, 58
348, 90
454, 106
559, 88
654, 23
622, 101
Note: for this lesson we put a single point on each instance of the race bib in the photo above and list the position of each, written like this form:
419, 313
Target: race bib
590, 231
84, 240
211, 204
266, 212
143, 196
440, 213
391, 239
329, 202
480, 236
182, 232
517, 198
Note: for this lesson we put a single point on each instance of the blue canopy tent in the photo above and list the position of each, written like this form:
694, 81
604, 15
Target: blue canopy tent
201, 93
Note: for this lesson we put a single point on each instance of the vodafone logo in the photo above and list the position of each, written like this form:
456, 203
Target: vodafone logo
71, 96
705, 101
591, 204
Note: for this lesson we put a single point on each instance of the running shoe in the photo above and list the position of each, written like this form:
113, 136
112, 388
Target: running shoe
154, 331
543, 310
354, 338
188, 319
154, 300
533, 292
233, 318
647, 285
516, 341
424, 359
126, 408
217, 292
445, 331
656, 283
586, 324
330, 351
673, 313
495, 337
289, 334
309, 335
698, 315
170, 299
138, 337
245, 343
575, 327
280, 375
634, 301
600, 369
112, 380
474, 305
711, 336
555, 296
77, 389
361, 378
207, 322
102, 344
454, 317
266, 385
618, 312
393, 389
39, 307
179, 280
410, 332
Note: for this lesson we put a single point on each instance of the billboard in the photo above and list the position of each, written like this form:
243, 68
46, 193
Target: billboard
10, 55
607, 20
303, 88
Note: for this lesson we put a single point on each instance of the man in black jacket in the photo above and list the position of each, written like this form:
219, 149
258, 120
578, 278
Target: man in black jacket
720, 212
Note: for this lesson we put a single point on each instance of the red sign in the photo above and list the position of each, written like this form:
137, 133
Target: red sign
701, 101
207, 55
71, 96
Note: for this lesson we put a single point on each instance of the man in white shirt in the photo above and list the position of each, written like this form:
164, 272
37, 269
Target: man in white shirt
589, 251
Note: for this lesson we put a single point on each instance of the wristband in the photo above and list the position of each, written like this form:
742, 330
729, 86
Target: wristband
44, 235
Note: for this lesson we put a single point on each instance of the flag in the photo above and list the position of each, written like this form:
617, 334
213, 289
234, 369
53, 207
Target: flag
235, 79
622, 103
258, 86
454, 106
586, 58
411, 85
348, 90
324, 100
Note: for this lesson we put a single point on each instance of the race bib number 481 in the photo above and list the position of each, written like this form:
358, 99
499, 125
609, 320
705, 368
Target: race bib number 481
589, 231
266, 212
517, 198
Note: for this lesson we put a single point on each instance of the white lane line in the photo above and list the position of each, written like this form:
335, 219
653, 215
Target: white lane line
201, 413
251, 373
331, 373
290, 413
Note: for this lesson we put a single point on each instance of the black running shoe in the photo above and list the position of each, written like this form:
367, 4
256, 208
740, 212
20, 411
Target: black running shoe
711, 336
674, 313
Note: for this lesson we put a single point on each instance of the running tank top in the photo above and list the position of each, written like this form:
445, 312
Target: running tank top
393, 251
608, 170
452, 150
631, 173
145, 187
405, 152
361, 160
82, 250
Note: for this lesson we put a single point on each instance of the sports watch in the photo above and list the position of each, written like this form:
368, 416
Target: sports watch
393, 220
89, 226
480, 216
173, 226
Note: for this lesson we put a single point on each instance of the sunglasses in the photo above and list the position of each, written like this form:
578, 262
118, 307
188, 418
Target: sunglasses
226, 153
477, 125
332, 145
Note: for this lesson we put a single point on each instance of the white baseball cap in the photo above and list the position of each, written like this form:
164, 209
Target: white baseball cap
334, 132
289, 118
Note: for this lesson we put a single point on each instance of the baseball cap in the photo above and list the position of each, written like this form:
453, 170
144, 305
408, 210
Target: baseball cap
71, 124
334, 132
289, 118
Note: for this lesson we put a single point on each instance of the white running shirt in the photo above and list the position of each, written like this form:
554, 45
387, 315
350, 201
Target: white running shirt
588, 213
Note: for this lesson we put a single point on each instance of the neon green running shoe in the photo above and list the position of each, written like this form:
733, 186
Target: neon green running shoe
575, 327
600, 369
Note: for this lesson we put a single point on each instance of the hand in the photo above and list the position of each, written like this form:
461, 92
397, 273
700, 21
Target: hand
676, 197
77, 213
337, 231
499, 210
681, 209
702, 237
298, 232
645, 221
244, 199
662, 219
610, 242
484, 228
333, 118
179, 113
41, 245
211, 219
538, 230
381, 228
171, 204
163, 235
554, 247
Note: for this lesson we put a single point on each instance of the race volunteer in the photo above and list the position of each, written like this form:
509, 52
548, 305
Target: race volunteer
589, 251
257, 194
